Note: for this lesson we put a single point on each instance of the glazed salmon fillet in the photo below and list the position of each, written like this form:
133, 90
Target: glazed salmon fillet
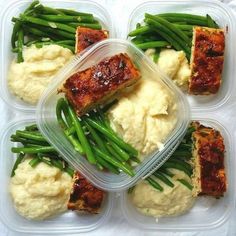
85, 37
93, 86
207, 60
209, 176
84, 196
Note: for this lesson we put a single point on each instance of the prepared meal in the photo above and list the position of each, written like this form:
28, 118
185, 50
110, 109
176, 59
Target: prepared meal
207, 60
52, 34
195, 168
86, 37
209, 175
42, 184
180, 44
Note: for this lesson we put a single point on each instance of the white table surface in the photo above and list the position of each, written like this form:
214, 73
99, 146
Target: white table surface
116, 225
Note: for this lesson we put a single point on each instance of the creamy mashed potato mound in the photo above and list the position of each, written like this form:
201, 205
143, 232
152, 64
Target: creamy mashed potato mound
174, 64
27, 80
40, 192
145, 116
171, 202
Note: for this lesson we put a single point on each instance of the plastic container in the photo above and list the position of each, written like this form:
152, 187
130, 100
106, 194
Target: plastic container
67, 223
207, 212
14, 8
222, 14
47, 122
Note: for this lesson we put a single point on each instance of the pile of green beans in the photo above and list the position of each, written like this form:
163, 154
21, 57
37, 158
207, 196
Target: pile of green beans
169, 30
42, 25
35, 145
92, 137
179, 160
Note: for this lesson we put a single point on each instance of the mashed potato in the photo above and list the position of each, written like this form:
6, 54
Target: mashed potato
171, 202
27, 80
174, 64
145, 116
40, 192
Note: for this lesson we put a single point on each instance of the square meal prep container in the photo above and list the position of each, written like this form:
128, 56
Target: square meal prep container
47, 122
222, 14
69, 222
207, 212
14, 8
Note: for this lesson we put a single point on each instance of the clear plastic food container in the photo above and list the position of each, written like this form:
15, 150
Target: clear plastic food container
67, 223
222, 14
14, 8
207, 212
47, 122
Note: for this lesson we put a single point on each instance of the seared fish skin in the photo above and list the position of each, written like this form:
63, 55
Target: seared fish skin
95, 85
84, 196
209, 176
85, 37
207, 60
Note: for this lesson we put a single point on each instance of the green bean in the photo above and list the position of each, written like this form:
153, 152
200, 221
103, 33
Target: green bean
69, 171
17, 162
178, 153
15, 31
163, 178
153, 44
64, 19
183, 15
109, 105
156, 56
45, 161
210, 22
48, 10
154, 184
177, 166
113, 137
15, 138
67, 42
135, 159
80, 133
58, 164
74, 13
34, 162
30, 135
20, 43
141, 30
120, 151
187, 20
185, 183
123, 166
114, 153
32, 127
86, 25
171, 27
96, 138
54, 25
166, 172
33, 149
184, 27
31, 6
107, 165
37, 32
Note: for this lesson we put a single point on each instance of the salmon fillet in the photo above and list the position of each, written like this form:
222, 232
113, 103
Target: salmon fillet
207, 60
85, 37
84, 196
93, 86
209, 176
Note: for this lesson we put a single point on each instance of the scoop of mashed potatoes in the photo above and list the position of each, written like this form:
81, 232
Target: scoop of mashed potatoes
171, 202
40, 192
174, 64
27, 80
145, 116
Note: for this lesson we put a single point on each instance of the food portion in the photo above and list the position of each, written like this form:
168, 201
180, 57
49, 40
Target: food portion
145, 116
40, 192
174, 64
209, 175
43, 185
195, 168
198, 37
93, 86
45, 39
171, 201
85, 37
84, 196
28, 80
207, 60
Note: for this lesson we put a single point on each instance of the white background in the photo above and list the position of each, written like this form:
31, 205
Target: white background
116, 225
